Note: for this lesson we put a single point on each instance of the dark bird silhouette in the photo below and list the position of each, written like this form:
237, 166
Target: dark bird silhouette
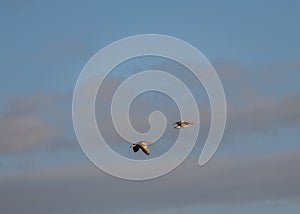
182, 124
143, 146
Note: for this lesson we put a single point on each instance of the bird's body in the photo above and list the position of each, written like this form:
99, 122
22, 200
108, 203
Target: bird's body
141, 145
182, 124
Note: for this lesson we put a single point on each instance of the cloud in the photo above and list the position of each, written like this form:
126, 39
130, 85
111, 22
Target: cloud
264, 117
32, 122
44, 120
223, 180
23, 133
261, 100
30, 104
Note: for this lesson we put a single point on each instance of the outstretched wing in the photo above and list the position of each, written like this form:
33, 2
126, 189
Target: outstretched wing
188, 123
144, 148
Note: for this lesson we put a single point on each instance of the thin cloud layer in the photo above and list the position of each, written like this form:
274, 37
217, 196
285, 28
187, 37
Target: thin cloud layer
32, 122
223, 180
22, 133
266, 116
25, 125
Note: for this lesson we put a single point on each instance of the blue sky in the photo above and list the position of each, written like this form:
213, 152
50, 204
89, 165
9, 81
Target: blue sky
51, 39
254, 47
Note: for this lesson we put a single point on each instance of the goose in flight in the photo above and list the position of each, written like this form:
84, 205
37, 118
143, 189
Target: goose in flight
182, 124
141, 145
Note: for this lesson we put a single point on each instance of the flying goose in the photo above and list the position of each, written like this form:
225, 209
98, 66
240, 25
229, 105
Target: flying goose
183, 124
141, 145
